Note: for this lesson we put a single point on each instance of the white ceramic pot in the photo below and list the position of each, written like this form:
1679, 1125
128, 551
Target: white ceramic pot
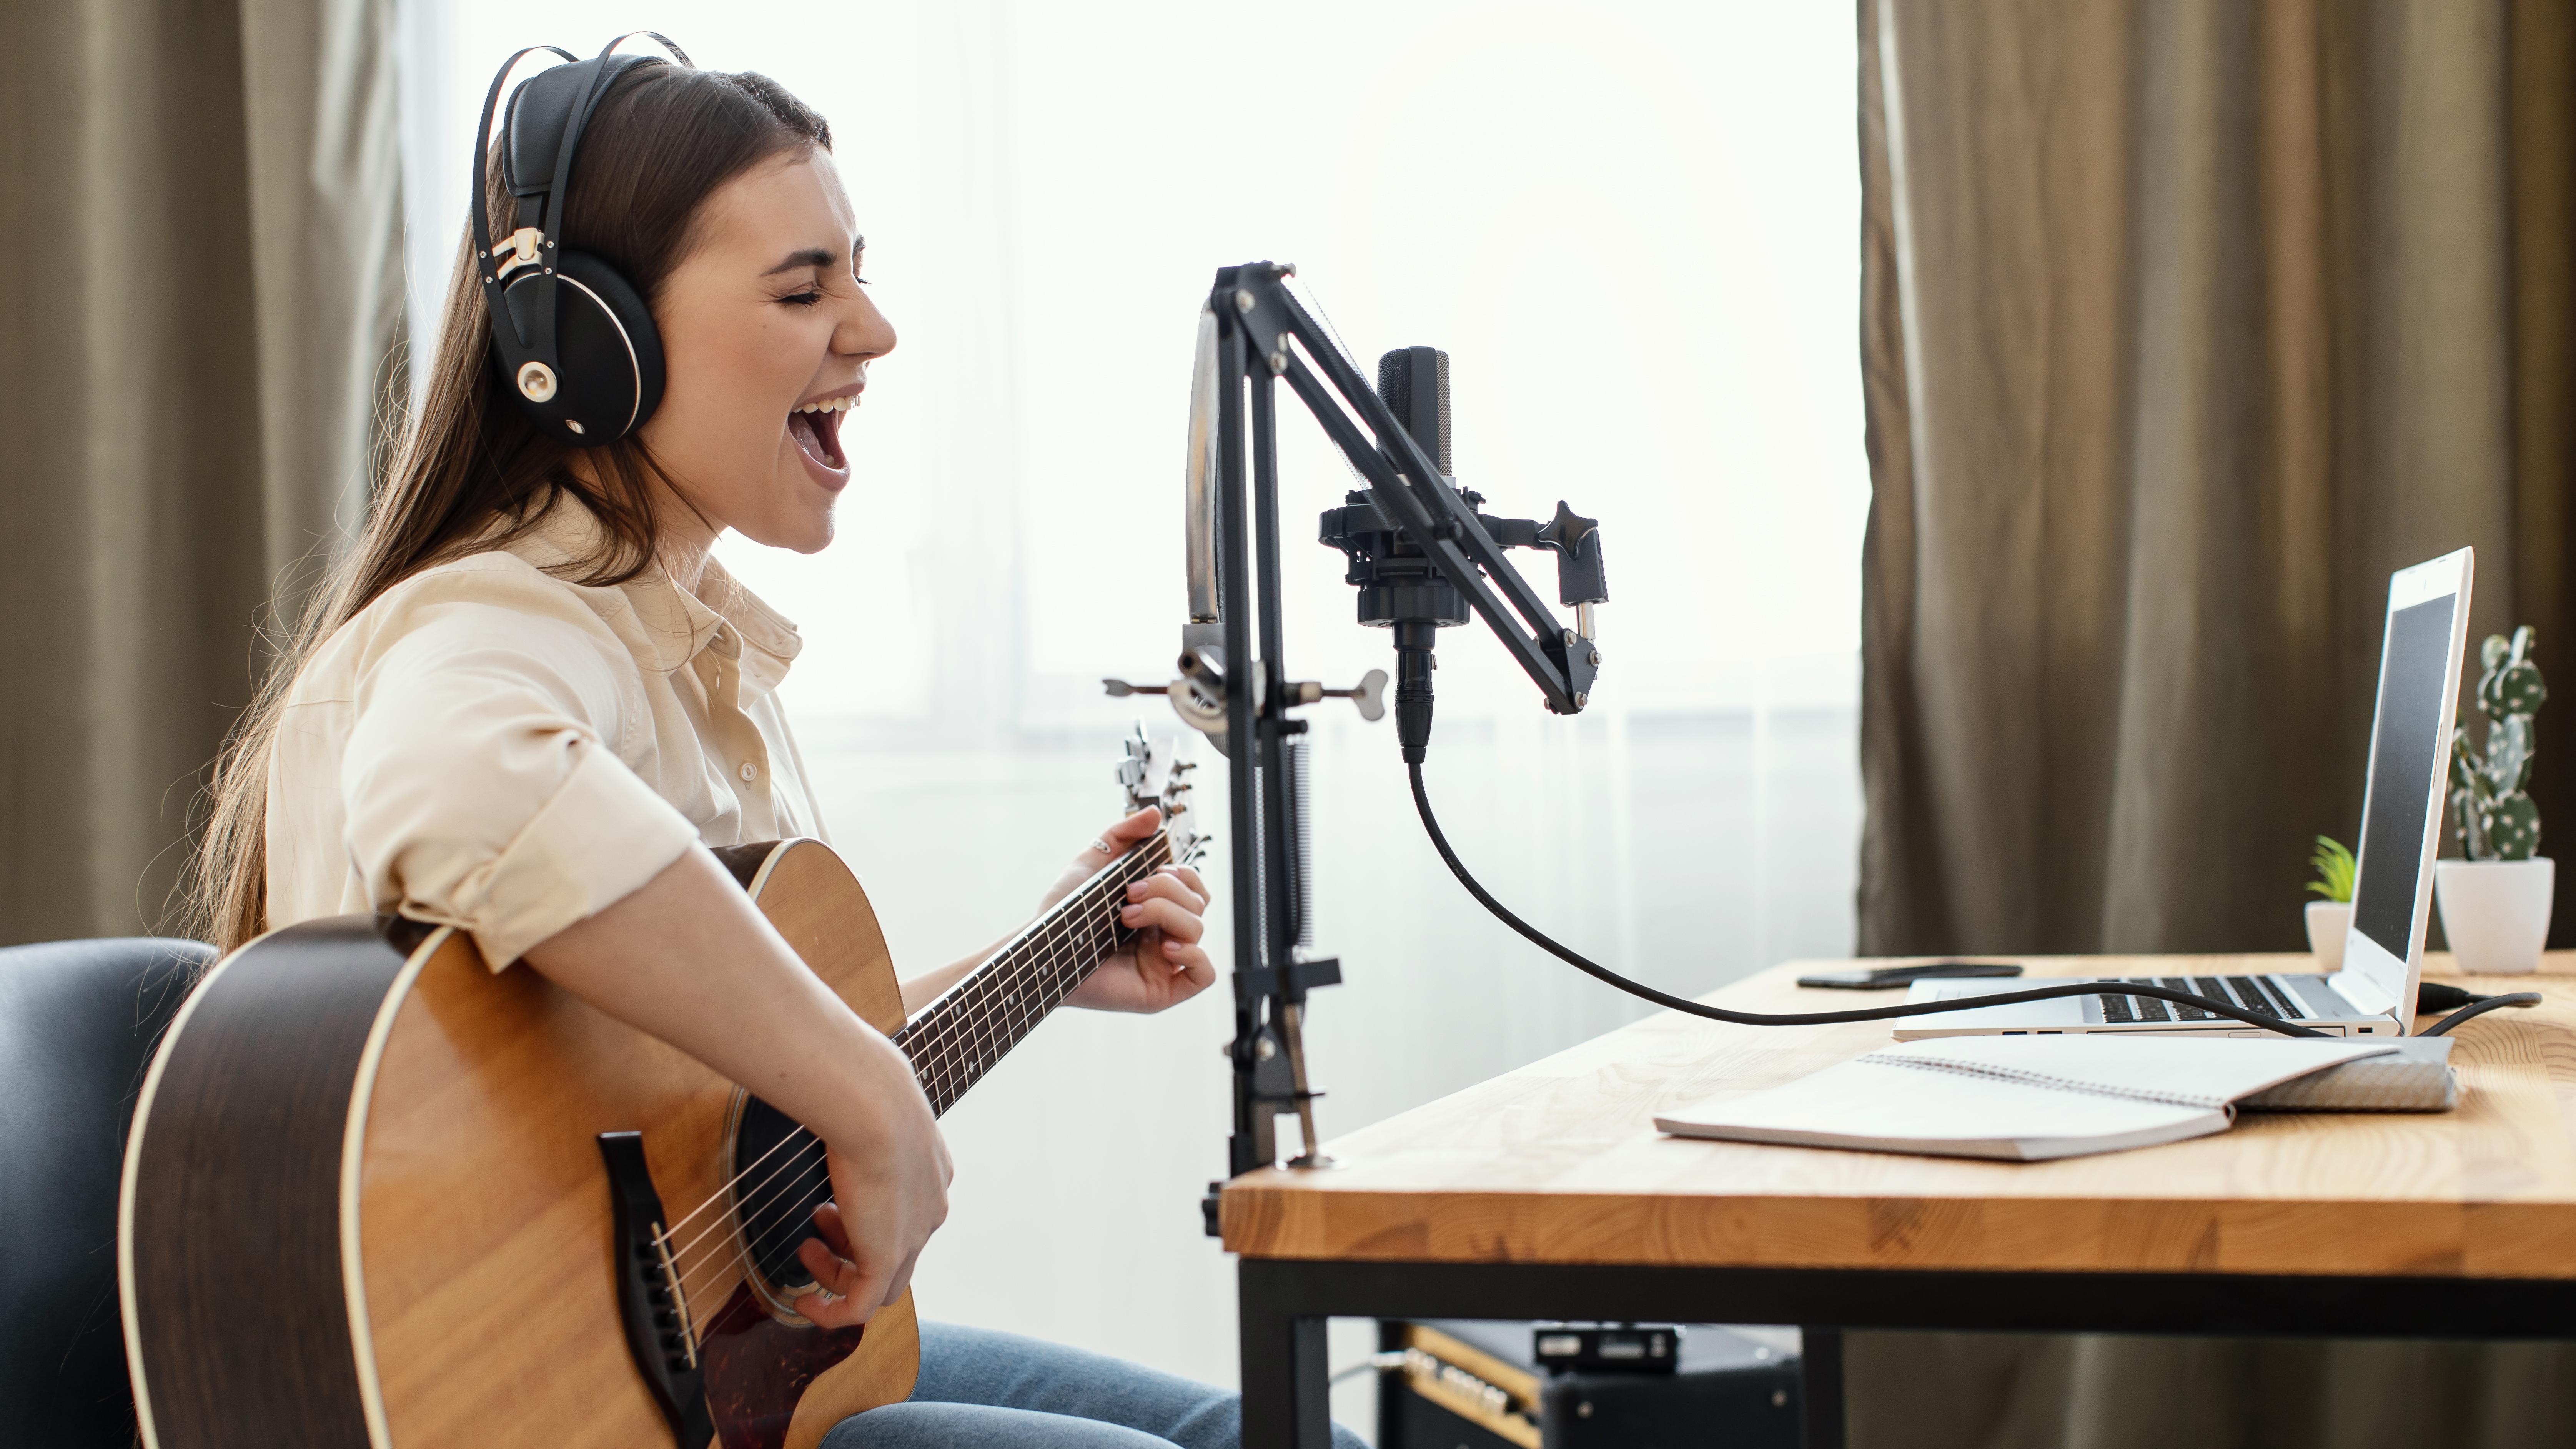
2496, 912
2327, 921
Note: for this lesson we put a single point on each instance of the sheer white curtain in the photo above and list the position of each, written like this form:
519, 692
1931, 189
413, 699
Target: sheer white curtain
1635, 230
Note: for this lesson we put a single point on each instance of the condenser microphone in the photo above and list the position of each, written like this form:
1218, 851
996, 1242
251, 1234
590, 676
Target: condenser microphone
1413, 382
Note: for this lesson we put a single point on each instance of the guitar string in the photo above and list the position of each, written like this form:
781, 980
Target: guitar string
1051, 959
1044, 952
674, 1229
936, 1041
748, 1196
936, 1038
690, 1277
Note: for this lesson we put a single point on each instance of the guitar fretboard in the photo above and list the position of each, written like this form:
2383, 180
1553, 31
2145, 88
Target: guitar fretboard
975, 1023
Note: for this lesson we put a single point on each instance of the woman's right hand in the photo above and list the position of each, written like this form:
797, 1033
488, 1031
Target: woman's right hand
686, 957
884, 1206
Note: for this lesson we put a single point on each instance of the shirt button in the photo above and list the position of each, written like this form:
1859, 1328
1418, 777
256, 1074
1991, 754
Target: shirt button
750, 772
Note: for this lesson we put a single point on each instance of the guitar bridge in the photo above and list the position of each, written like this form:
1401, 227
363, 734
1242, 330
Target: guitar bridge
661, 1334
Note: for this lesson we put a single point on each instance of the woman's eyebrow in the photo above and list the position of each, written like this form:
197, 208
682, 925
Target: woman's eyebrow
797, 261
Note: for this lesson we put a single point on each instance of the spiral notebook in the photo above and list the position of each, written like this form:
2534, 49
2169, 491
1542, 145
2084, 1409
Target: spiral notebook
2020, 1098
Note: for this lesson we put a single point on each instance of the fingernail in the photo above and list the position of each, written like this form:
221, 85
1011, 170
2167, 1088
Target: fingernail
1131, 912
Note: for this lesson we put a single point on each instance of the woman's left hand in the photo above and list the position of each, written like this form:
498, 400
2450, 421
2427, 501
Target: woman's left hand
1165, 963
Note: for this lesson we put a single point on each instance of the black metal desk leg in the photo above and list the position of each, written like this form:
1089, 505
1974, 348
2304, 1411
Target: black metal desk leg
1287, 1401
1820, 1388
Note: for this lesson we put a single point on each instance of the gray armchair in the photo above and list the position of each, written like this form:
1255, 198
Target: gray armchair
78, 1021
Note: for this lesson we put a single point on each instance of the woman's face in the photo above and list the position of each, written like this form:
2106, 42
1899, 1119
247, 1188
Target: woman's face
766, 335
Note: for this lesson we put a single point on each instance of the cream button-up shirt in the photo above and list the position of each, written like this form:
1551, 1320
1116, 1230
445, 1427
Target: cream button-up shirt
491, 747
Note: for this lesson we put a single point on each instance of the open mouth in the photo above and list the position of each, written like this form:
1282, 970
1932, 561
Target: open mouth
816, 426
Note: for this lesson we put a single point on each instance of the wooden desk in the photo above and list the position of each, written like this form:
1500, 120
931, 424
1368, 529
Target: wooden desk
1547, 1193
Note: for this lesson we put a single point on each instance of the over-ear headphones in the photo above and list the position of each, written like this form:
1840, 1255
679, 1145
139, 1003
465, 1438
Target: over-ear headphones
575, 343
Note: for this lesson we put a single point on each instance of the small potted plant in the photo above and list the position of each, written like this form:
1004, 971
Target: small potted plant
2328, 918
2495, 900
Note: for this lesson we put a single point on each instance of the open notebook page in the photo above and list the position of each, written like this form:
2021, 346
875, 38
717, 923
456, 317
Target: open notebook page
2018, 1098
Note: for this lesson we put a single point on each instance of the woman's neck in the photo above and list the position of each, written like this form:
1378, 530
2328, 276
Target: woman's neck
683, 537
683, 551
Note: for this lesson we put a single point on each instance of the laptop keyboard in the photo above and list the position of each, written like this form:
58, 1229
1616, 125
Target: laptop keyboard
2260, 996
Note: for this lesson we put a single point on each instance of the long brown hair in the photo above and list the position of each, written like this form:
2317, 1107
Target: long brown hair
473, 473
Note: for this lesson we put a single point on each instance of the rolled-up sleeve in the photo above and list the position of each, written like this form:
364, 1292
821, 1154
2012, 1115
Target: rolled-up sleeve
482, 781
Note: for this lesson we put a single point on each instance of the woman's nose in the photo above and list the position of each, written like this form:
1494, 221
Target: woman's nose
864, 333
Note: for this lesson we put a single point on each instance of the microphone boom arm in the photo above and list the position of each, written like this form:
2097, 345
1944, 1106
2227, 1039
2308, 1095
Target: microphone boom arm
1558, 659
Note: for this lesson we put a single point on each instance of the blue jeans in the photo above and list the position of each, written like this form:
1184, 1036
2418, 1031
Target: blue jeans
985, 1390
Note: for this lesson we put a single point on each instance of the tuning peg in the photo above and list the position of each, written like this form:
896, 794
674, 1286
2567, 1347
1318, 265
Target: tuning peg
1120, 689
1370, 696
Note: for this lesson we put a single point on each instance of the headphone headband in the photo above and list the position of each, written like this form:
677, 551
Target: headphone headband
484, 251
549, 112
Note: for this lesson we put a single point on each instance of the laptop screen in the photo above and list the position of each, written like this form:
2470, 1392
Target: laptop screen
2412, 675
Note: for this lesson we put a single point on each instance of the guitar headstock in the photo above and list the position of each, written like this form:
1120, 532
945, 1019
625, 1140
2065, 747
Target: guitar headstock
1152, 773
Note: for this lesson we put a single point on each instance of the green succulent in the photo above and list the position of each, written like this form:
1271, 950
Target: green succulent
2491, 814
2335, 869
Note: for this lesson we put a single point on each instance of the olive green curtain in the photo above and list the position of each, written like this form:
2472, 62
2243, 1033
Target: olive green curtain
200, 294
2184, 323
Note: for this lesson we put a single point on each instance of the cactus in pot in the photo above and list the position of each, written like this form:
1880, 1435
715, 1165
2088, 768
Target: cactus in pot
2491, 814
2496, 901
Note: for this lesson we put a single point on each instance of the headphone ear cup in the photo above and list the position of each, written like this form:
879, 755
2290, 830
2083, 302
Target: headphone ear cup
607, 377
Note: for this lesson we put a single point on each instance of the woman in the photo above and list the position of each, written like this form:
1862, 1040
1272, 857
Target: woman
530, 700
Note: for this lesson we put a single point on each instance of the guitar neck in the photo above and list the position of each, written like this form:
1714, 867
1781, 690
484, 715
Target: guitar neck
957, 1038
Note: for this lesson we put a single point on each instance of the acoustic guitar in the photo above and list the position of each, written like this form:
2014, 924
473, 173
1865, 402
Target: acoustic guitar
376, 1194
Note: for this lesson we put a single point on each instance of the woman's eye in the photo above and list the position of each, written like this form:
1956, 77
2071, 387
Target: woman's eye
806, 298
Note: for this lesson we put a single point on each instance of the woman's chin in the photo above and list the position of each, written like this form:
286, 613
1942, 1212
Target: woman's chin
803, 527
819, 537
810, 535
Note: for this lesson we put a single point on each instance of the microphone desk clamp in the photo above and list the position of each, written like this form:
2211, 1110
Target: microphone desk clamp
1422, 556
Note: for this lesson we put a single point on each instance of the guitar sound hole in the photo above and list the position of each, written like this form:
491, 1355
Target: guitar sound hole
784, 1178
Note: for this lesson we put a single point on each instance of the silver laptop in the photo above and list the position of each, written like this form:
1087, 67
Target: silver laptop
2401, 821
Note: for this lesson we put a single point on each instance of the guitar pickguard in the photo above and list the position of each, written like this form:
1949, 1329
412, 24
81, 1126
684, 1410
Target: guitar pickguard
759, 1368
737, 1377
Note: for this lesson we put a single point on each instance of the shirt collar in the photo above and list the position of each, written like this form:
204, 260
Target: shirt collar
770, 640
674, 625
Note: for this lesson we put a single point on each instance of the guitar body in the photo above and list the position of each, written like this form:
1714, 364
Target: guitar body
365, 1202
